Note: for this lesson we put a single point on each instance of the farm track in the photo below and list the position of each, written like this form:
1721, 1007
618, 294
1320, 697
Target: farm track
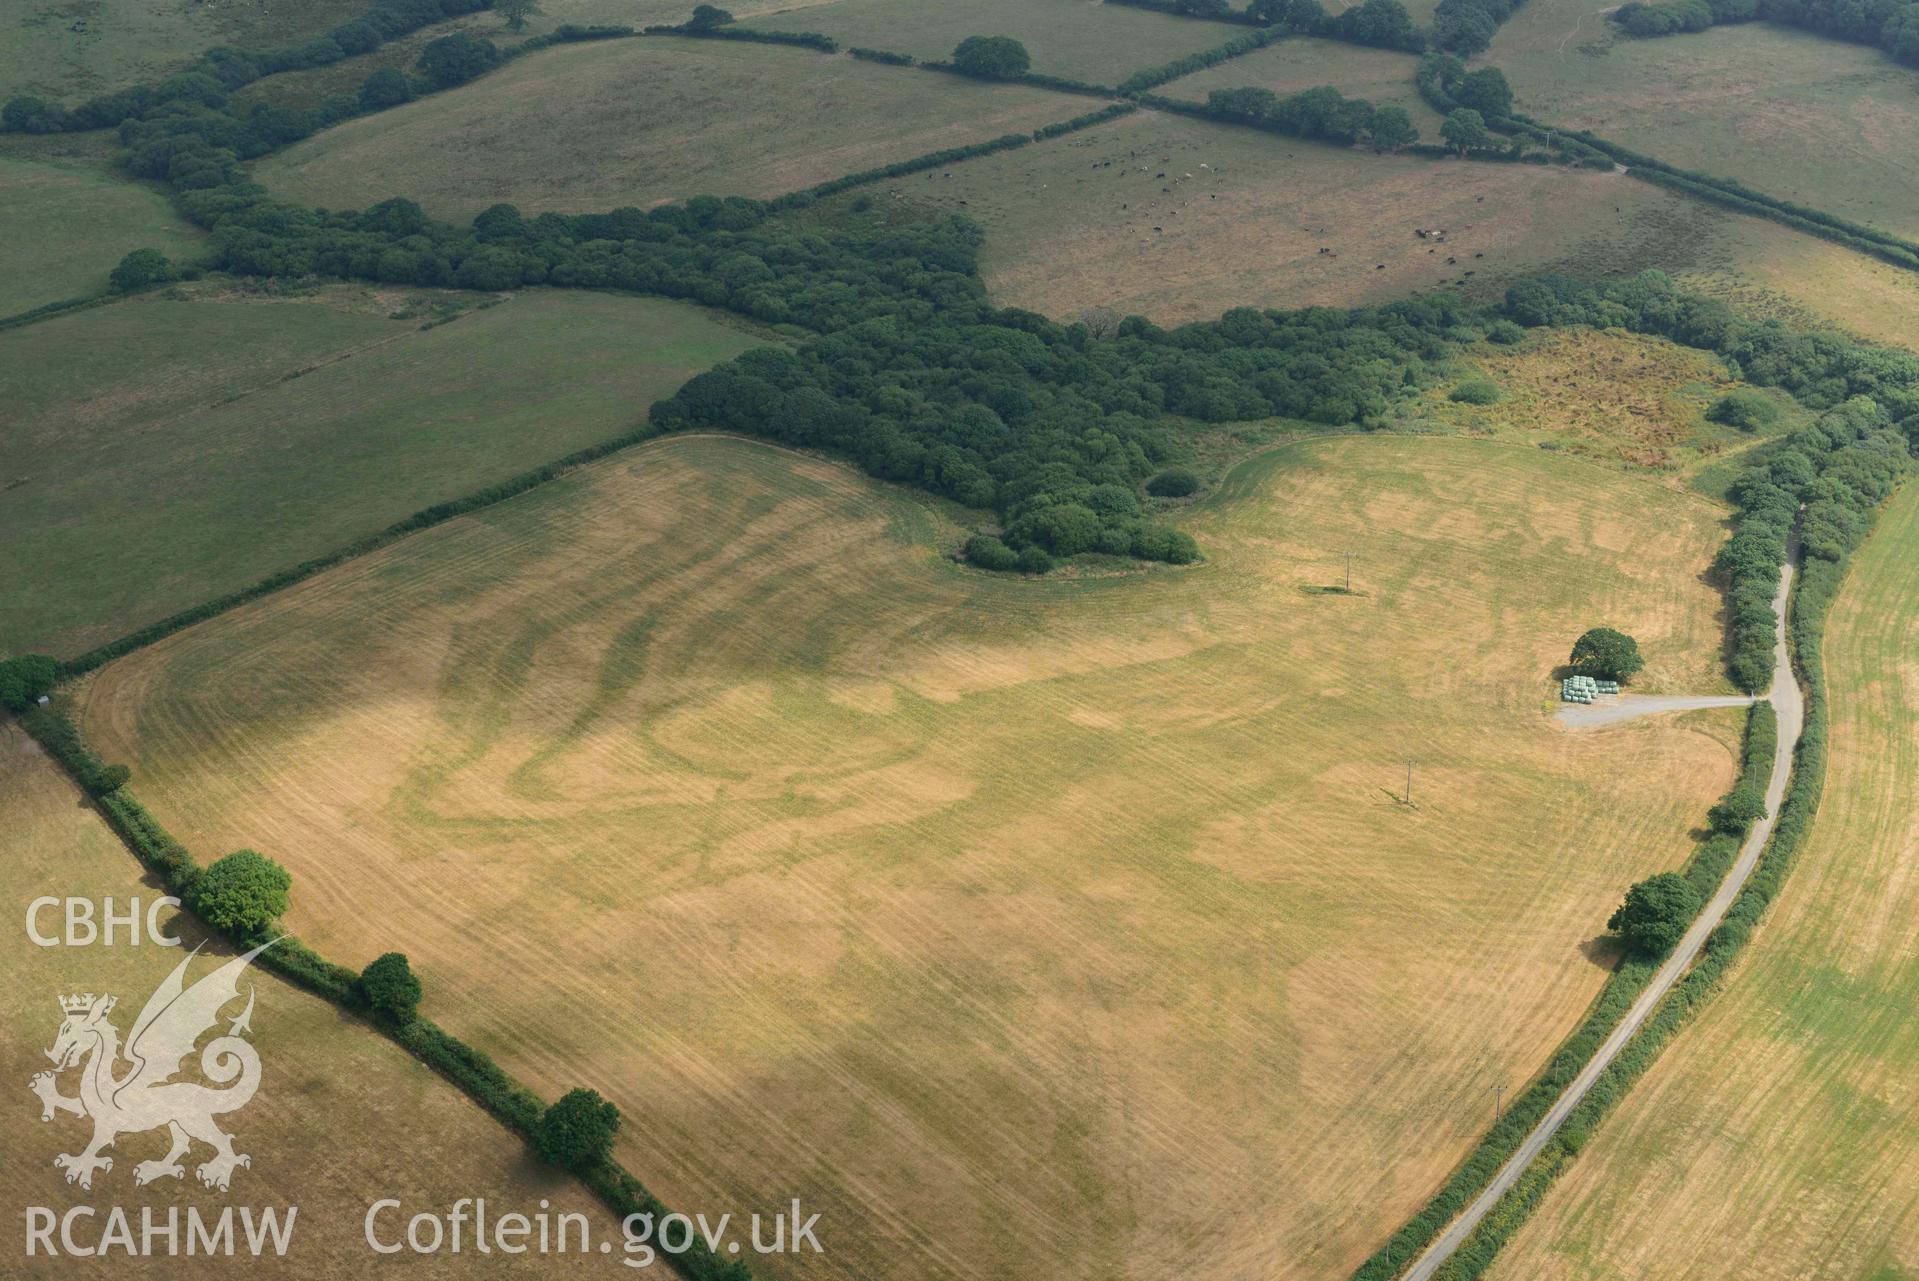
1629, 707
1788, 702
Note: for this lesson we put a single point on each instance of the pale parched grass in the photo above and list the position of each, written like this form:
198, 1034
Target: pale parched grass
1775, 1137
999, 920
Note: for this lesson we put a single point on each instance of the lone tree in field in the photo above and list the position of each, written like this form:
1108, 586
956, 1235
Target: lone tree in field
992, 57
1656, 913
577, 1132
516, 12
706, 17
1465, 129
242, 894
390, 989
1607, 655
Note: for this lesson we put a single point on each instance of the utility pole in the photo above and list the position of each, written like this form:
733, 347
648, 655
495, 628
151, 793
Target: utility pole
1409, 780
1349, 573
1498, 1093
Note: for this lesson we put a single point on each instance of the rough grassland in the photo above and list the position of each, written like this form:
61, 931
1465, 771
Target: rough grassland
1381, 76
1776, 1138
998, 920
161, 452
342, 1117
123, 42
63, 227
1761, 268
1608, 396
1102, 44
1796, 115
1087, 220
637, 122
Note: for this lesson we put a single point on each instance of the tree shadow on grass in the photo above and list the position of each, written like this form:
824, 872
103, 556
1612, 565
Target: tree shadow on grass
1604, 951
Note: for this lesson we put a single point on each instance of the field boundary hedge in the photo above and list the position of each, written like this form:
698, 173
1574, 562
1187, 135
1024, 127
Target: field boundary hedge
1238, 47
425, 518
950, 155
1818, 584
1731, 193
378, 25
752, 35
1707, 864
508, 1101
1833, 503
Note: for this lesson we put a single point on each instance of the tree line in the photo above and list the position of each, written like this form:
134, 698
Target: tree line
1891, 25
1459, 26
243, 894
228, 69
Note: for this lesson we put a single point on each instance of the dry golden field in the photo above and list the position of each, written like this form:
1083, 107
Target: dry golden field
639, 122
342, 1117
1778, 1137
998, 920
1087, 220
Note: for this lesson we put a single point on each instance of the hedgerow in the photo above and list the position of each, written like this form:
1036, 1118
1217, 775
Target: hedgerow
220, 71
1840, 468
754, 35
1818, 583
423, 519
1893, 27
1140, 81
470, 1069
1624, 986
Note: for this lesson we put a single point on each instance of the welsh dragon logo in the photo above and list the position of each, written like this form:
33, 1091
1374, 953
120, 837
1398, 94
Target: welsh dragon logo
144, 1096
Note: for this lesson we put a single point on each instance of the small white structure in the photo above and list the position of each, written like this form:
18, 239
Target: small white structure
1584, 689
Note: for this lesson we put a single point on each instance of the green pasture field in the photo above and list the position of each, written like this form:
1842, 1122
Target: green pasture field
64, 224
639, 122
1795, 115
164, 451
1078, 919
73, 49
1180, 219
1097, 43
342, 1116
1774, 1138
1383, 77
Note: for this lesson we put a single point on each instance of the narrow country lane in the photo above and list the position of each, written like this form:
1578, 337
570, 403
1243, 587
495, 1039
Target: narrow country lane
1788, 701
